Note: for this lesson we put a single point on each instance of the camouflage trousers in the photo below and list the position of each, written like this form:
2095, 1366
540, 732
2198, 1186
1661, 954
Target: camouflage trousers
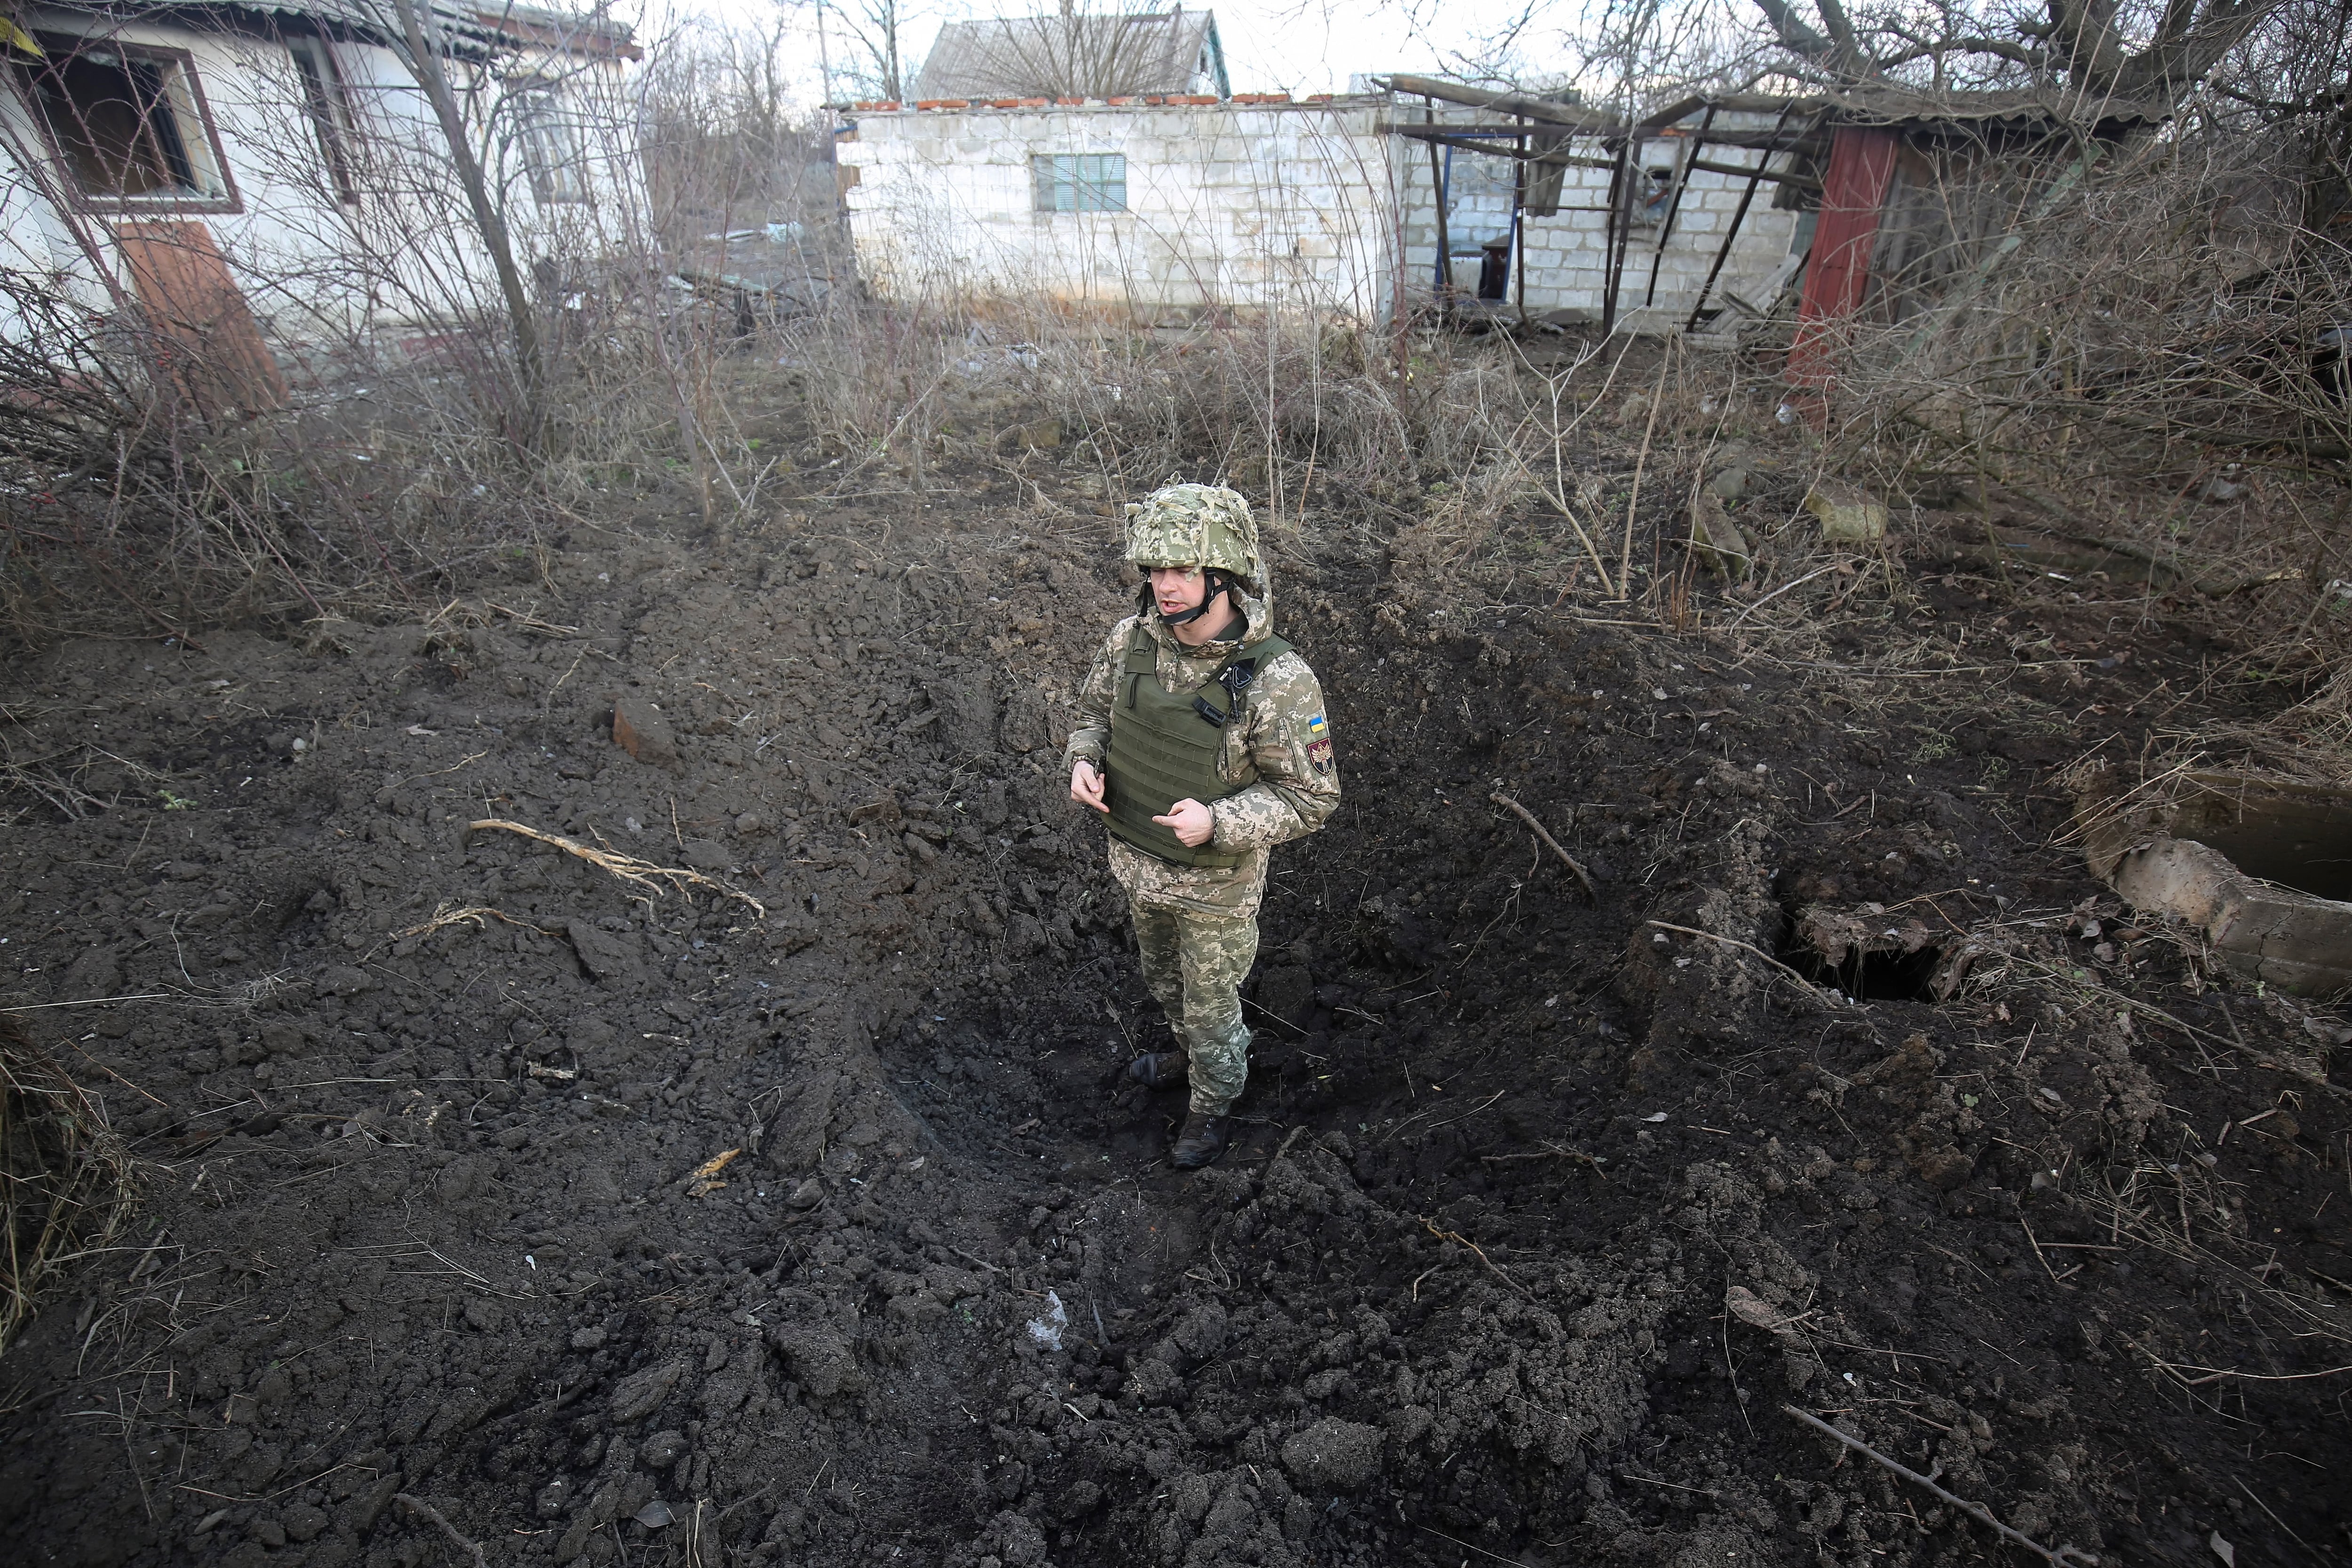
1194, 965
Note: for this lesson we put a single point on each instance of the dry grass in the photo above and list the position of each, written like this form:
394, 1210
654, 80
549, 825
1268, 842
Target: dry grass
146, 490
381, 491
2134, 397
2129, 373
1561, 475
646, 874
65, 1177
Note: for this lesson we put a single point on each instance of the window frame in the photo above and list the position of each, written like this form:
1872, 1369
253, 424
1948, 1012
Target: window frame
538, 112
1053, 175
183, 96
327, 104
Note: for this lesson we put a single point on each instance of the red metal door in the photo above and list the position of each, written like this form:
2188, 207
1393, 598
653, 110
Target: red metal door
1862, 161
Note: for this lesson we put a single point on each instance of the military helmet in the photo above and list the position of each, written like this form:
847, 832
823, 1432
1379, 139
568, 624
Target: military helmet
1206, 526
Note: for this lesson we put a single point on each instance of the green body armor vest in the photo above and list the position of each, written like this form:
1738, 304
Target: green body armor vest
1164, 747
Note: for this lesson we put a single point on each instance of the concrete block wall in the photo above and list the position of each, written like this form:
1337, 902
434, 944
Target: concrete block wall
1228, 205
1253, 205
1566, 255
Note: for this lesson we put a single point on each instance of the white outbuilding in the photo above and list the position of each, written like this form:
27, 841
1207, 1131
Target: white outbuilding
264, 181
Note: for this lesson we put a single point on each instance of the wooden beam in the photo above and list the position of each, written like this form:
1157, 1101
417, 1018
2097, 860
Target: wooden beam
1453, 128
1721, 136
1617, 235
1807, 140
1778, 176
1437, 137
1519, 235
1446, 137
1684, 169
1438, 193
1651, 124
1537, 109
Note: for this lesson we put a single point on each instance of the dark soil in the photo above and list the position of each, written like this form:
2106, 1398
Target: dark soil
1542, 1212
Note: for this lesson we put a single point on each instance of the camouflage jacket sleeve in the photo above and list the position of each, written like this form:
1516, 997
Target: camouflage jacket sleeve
1091, 737
1290, 741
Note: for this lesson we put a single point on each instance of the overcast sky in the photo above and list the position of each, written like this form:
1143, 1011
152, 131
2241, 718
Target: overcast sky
1270, 46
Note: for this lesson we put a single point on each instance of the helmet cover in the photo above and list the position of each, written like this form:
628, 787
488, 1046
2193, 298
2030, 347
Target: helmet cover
1205, 526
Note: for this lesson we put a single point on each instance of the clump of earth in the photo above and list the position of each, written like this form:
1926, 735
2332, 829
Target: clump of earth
786, 1205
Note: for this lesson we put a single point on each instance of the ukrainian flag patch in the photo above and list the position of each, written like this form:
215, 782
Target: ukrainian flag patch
1316, 728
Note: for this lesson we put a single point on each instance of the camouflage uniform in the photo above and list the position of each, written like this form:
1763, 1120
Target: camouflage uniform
1196, 927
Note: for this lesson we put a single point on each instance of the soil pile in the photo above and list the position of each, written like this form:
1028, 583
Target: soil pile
757, 1184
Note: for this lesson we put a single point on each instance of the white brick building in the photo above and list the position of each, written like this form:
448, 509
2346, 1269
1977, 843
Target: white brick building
1162, 210
1166, 208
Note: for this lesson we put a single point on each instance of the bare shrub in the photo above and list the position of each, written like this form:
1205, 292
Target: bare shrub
421, 417
2142, 347
1460, 456
1293, 406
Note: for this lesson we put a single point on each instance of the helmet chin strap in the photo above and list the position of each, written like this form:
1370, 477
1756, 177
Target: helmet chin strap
1218, 586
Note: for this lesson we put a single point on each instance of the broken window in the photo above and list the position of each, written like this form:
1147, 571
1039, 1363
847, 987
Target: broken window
1654, 192
553, 149
128, 121
1079, 181
329, 111
1480, 192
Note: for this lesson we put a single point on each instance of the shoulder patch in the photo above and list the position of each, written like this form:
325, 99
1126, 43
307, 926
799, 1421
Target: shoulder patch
1316, 727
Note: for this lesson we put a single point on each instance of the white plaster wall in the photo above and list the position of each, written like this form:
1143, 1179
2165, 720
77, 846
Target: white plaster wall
312, 266
1228, 205
413, 227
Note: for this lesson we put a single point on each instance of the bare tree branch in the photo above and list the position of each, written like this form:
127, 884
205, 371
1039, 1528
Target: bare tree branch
2000, 48
1840, 27
1795, 36
2083, 44
1082, 54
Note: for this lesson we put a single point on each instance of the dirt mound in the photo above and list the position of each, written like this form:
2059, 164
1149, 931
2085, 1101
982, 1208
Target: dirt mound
795, 1211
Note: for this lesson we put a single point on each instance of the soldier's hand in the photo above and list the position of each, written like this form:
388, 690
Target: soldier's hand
1192, 823
1086, 784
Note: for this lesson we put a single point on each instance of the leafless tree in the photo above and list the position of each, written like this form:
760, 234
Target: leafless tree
723, 137
1085, 52
424, 53
870, 32
2132, 49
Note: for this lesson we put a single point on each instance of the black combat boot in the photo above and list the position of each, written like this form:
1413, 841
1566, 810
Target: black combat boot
1202, 1139
1157, 1069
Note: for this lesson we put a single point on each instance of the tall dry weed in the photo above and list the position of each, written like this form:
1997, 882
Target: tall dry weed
399, 456
2142, 343
66, 1179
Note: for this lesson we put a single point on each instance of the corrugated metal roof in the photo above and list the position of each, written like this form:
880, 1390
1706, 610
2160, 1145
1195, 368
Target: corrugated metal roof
1808, 124
1889, 104
476, 26
1101, 56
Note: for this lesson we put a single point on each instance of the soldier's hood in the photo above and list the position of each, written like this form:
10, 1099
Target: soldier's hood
1257, 625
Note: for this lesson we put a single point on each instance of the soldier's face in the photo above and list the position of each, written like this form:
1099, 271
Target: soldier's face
1176, 589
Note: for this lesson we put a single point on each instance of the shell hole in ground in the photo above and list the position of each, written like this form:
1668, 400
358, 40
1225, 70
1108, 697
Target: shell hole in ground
1867, 974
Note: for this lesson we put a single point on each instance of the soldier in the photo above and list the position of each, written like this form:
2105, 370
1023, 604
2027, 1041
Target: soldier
1202, 742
